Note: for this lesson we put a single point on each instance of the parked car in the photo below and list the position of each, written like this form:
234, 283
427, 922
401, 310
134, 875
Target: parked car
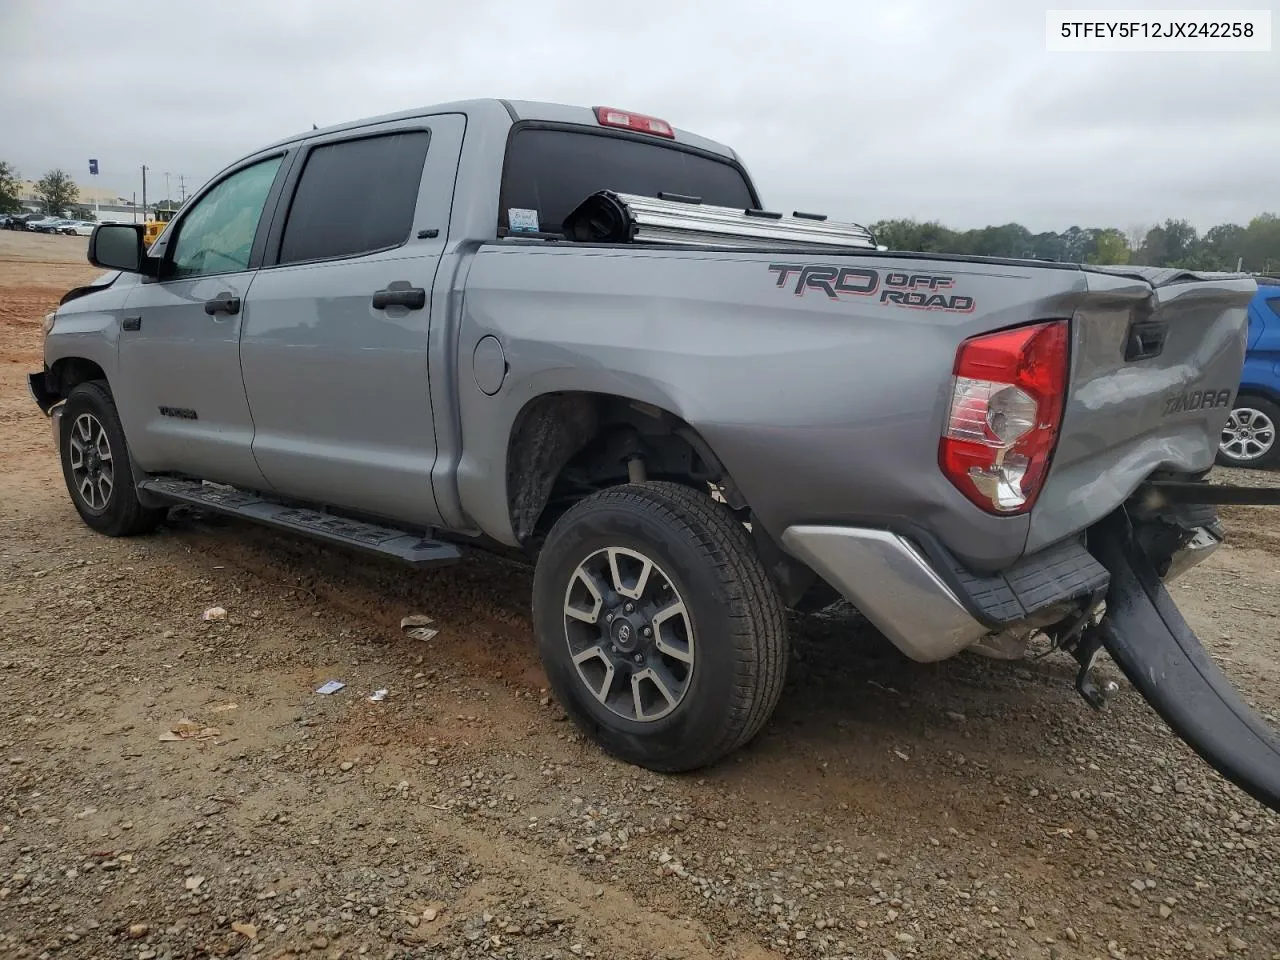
19, 221
78, 228
1249, 436
573, 333
44, 224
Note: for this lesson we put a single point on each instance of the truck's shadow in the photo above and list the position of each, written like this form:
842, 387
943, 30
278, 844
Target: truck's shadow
846, 684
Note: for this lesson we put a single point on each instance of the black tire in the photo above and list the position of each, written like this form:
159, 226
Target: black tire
735, 621
115, 509
1250, 411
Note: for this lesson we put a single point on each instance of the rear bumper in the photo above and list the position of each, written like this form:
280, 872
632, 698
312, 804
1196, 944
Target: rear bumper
931, 607
892, 585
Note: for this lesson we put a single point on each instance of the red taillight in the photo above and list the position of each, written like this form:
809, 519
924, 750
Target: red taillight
1006, 410
609, 117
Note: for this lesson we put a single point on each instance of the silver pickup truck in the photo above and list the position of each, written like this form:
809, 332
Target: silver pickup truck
578, 334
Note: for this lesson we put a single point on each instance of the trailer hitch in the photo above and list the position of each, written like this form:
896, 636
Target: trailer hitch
1164, 660
1086, 653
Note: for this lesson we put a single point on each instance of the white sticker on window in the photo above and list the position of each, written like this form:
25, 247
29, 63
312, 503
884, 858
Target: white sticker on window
521, 220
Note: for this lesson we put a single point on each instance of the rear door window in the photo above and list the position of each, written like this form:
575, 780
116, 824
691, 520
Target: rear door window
355, 197
552, 171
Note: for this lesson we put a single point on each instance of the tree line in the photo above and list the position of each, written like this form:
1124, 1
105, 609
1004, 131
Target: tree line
56, 191
1254, 248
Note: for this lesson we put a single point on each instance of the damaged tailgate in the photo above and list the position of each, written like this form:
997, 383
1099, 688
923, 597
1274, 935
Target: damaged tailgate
1156, 357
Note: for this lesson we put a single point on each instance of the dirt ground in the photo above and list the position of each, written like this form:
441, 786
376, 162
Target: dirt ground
970, 809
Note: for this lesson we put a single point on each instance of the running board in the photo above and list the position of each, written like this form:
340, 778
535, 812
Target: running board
373, 538
1164, 660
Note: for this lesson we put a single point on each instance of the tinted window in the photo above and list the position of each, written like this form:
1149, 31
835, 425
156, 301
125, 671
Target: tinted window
1274, 304
552, 171
355, 197
216, 235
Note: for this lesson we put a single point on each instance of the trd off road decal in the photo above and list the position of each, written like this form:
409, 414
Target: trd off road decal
919, 291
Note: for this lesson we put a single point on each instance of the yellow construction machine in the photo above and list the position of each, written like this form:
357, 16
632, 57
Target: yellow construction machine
153, 226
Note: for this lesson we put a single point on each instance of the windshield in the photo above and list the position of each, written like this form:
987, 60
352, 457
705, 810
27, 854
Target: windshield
551, 171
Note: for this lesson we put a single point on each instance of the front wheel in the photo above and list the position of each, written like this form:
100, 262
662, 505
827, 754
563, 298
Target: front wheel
659, 629
1249, 437
95, 464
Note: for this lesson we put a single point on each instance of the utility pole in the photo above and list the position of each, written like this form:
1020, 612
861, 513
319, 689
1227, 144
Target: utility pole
167, 194
135, 206
182, 188
144, 191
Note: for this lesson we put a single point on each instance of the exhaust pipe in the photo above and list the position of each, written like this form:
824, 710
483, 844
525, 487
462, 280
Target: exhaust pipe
1164, 660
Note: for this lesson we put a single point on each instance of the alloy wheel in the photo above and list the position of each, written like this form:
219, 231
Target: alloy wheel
629, 634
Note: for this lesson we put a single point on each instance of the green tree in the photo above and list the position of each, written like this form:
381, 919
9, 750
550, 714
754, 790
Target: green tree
57, 191
1154, 251
9, 189
1261, 246
930, 237
1180, 239
1111, 246
1225, 243
1077, 244
1046, 246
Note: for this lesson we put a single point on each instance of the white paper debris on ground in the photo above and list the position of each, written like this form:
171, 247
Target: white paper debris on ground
214, 613
186, 729
333, 686
223, 708
378, 696
418, 626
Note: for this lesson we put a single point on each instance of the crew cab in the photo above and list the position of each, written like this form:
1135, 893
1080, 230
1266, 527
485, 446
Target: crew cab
577, 333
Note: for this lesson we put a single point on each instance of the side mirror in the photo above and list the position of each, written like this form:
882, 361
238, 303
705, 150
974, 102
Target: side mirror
118, 246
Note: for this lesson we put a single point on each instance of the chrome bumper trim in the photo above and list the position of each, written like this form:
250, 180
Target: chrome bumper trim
1194, 552
892, 584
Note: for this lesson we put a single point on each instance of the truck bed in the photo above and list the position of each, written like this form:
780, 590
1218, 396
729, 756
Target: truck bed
826, 405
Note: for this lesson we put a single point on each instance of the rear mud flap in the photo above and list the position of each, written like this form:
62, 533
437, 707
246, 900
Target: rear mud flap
1164, 660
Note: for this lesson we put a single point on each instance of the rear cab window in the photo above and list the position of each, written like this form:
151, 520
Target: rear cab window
550, 170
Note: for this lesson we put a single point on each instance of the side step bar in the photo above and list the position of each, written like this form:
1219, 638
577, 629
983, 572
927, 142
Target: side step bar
1162, 657
372, 538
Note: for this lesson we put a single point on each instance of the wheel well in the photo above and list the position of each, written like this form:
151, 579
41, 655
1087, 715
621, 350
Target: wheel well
565, 446
1262, 393
70, 372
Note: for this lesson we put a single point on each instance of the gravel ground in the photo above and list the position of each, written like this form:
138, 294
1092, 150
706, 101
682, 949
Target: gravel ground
969, 809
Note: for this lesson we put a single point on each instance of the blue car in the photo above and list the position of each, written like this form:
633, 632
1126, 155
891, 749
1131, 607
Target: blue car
1249, 438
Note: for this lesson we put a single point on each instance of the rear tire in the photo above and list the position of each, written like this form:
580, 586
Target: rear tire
687, 653
1250, 435
96, 464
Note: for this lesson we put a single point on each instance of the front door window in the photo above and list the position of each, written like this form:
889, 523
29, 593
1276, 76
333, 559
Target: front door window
216, 235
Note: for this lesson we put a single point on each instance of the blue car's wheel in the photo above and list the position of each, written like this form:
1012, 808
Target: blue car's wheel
1249, 436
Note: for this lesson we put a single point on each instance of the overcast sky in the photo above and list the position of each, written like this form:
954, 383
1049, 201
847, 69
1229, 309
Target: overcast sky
942, 110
